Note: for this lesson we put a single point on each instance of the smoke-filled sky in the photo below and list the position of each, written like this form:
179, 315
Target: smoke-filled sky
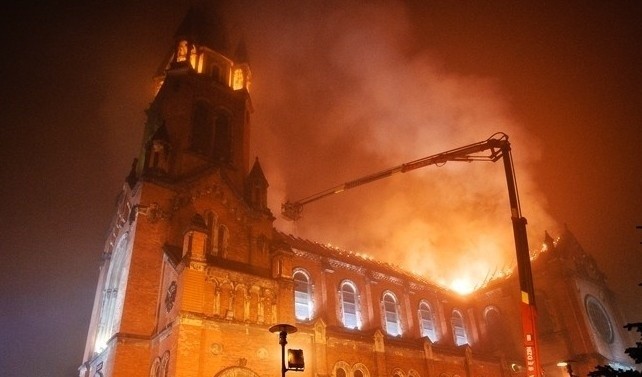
340, 90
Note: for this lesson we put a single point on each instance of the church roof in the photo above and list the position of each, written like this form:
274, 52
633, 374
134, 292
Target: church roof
382, 270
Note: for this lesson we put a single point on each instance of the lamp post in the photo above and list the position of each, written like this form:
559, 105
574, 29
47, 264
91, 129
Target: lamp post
295, 357
567, 364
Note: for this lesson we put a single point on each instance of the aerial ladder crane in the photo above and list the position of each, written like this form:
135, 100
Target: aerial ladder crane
492, 149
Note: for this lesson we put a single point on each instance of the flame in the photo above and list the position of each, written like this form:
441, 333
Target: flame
462, 286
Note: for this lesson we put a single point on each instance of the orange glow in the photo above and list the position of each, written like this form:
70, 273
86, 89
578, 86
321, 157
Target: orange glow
182, 51
463, 285
238, 79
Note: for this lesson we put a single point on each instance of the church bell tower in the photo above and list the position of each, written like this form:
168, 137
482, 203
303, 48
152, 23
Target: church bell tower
188, 247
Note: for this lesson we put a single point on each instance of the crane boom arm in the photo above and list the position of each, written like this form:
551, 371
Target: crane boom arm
495, 146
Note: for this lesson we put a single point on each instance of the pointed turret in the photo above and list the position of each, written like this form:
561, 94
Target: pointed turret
203, 26
256, 188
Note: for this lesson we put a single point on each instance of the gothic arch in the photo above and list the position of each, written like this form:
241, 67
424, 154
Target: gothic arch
154, 371
240, 299
237, 372
164, 365
360, 370
341, 369
254, 298
226, 299
413, 373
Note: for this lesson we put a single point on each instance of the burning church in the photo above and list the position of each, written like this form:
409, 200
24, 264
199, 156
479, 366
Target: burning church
195, 274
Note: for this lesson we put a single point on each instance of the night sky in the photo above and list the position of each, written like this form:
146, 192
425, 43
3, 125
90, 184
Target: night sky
340, 90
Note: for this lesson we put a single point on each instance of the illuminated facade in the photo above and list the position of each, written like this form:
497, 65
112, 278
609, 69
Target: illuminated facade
195, 274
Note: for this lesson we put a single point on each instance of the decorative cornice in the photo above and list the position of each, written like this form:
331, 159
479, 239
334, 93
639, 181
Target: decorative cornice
348, 266
376, 275
307, 255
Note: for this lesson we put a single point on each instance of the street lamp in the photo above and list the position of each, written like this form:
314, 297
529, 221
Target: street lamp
295, 357
567, 364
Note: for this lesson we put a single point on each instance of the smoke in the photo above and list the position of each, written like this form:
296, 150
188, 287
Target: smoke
342, 90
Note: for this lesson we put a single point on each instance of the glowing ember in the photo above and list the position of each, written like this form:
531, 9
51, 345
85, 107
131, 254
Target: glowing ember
463, 286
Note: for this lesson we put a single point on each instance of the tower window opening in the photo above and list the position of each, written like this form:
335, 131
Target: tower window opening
181, 51
222, 138
202, 131
238, 79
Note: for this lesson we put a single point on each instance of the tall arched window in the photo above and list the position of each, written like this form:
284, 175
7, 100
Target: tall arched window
427, 321
459, 329
302, 295
113, 294
495, 329
390, 314
222, 138
154, 371
222, 240
202, 128
164, 367
350, 311
212, 236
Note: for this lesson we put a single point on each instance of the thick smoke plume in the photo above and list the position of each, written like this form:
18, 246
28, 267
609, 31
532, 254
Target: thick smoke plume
342, 90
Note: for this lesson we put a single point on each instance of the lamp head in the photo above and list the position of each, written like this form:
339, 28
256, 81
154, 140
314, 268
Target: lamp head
295, 360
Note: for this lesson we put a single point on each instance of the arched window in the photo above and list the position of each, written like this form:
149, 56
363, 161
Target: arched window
222, 138
113, 294
350, 311
222, 239
360, 370
459, 330
302, 295
202, 128
154, 371
495, 329
164, 365
390, 314
212, 236
341, 369
427, 321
